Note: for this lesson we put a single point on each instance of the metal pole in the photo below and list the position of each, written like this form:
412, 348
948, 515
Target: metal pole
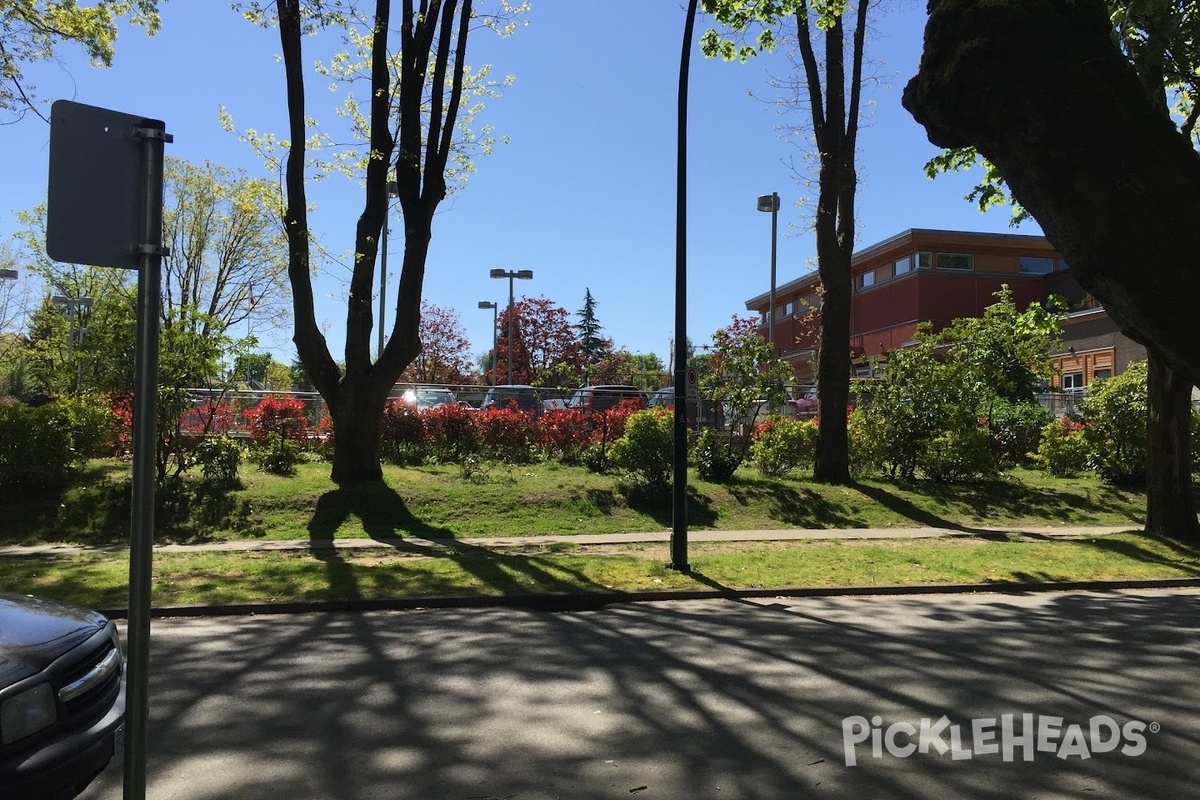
495, 336
141, 536
774, 219
510, 317
679, 557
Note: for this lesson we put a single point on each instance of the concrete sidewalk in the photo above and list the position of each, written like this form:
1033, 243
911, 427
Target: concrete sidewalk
490, 542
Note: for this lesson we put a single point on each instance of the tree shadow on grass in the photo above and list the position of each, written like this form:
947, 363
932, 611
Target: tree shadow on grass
799, 507
982, 500
658, 503
1184, 556
1058, 506
385, 518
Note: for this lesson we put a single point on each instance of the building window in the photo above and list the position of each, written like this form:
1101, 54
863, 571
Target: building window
789, 309
1072, 382
955, 261
1036, 266
867, 279
901, 266
924, 260
1101, 374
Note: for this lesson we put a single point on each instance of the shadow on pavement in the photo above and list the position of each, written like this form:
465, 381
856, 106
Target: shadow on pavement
676, 700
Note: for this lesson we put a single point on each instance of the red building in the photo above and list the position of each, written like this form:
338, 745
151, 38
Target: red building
937, 276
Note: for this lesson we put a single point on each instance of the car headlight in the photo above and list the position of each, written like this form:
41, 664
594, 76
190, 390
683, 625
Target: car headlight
27, 713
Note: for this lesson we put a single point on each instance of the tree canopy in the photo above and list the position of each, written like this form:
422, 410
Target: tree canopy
33, 31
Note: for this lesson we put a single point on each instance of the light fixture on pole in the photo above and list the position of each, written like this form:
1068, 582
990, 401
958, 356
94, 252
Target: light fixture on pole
520, 274
393, 191
495, 307
8, 274
74, 305
770, 202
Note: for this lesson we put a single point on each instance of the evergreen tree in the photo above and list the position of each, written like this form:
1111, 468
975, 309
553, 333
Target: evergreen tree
592, 345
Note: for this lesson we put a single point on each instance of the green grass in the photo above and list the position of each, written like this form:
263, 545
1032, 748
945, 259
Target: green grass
541, 499
438, 502
100, 580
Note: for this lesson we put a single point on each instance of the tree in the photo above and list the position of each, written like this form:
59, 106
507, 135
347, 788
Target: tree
227, 250
1084, 150
833, 100
445, 355
1159, 57
419, 93
592, 346
543, 338
33, 30
1007, 349
14, 307
743, 373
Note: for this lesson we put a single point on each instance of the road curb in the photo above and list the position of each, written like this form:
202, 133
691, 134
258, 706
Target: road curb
586, 601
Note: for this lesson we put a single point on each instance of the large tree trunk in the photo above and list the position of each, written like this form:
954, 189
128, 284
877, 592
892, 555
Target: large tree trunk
833, 371
1170, 504
835, 126
1040, 89
357, 420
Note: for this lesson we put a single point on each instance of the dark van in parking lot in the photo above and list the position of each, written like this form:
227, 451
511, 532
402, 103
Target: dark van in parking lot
62, 697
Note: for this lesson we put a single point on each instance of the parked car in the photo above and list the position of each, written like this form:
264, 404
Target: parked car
524, 397
420, 398
806, 403
554, 404
665, 398
62, 697
595, 399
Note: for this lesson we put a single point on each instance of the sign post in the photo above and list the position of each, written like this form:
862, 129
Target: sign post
104, 208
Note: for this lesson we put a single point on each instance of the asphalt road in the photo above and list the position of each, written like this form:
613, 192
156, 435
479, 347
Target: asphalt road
687, 700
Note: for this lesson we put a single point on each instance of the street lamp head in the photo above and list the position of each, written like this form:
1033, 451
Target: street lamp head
768, 202
525, 274
497, 273
393, 190
486, 304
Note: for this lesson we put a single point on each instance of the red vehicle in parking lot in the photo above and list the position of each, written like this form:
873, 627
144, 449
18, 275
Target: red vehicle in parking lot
806, 403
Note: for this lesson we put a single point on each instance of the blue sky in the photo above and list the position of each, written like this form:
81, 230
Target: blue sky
584, 192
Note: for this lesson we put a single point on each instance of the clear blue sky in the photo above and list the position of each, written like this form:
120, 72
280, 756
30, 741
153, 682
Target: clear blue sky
584, 193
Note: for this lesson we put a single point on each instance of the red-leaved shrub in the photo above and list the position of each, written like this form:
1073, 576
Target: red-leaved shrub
563, 434
451, 430
507, 434
283, 415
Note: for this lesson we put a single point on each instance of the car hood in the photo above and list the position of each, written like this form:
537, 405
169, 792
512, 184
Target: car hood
33, 633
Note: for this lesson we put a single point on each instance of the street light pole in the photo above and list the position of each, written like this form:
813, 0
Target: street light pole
393, 191
74, 305
522, 274
770, 202
495, 307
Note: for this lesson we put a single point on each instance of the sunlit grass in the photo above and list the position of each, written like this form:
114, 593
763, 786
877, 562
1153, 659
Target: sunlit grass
439, 502
100, 580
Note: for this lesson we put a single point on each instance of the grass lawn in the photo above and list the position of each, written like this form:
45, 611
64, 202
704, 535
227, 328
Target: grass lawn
440, 502
100, 579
